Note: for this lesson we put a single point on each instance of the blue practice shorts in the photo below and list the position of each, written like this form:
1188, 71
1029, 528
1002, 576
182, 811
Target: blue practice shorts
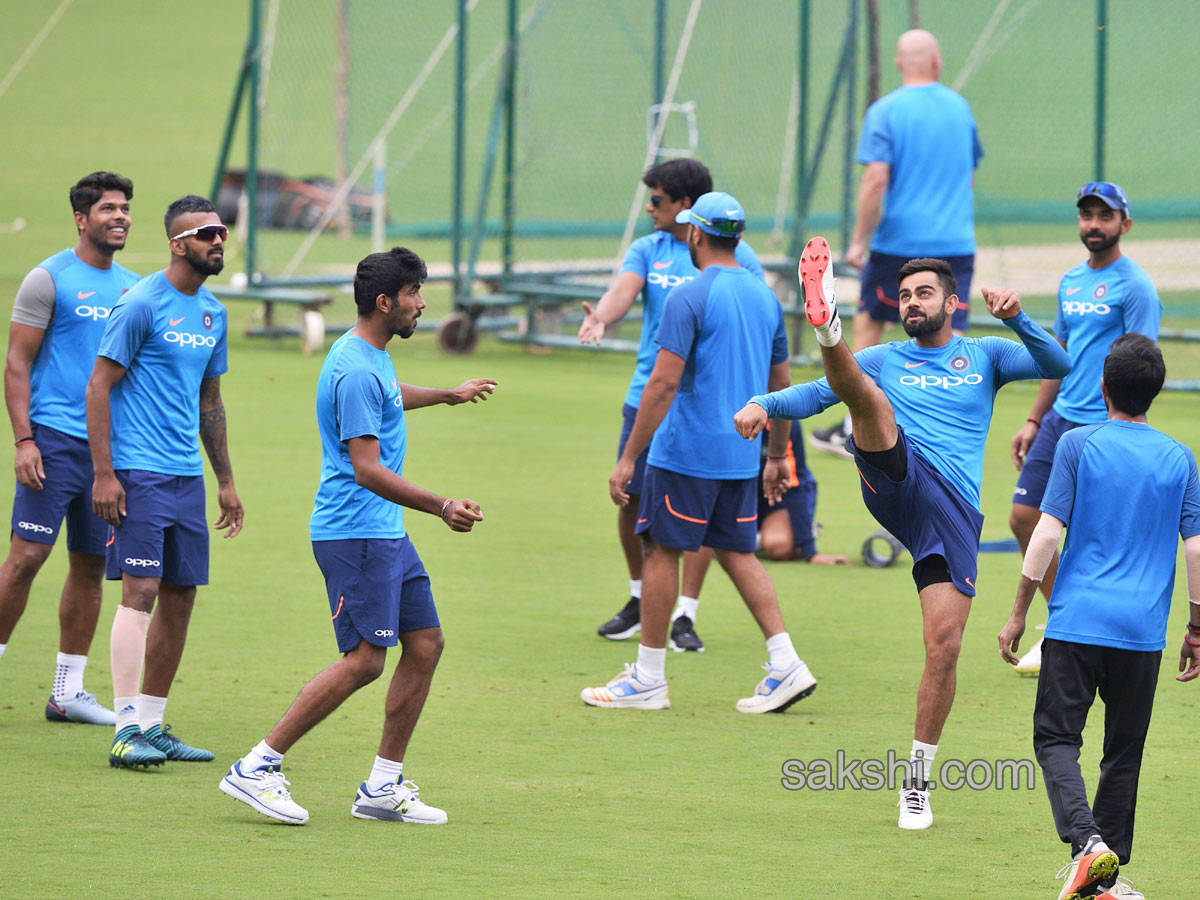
66, 492
629, 413
800, 502
926, 513
164, 533
684, 512
378, 589
1035, 473
878, 294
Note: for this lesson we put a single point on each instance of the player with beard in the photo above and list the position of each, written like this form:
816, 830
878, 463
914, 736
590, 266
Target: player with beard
921, 410
1098, 301
156, 384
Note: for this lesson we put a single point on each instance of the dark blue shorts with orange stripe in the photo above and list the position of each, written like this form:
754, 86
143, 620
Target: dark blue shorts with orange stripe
878, 293
685, 512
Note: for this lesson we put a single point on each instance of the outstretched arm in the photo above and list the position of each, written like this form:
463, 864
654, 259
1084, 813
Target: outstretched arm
212, 435
474, 390
612, 307
369, 472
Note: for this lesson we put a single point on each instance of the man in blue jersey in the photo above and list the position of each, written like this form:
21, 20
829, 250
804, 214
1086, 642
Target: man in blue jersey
1117, 484
155, 385
919, 148
721, 333
653, 265
1098, 301
921, 411
378, 589
58, 317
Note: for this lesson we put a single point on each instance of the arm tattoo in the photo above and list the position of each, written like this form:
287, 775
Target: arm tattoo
212, 428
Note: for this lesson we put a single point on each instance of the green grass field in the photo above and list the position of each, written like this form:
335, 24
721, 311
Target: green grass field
546, 797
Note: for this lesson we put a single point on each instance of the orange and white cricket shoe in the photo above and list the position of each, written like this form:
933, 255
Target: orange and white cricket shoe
816, 278
1084, 873
628, 691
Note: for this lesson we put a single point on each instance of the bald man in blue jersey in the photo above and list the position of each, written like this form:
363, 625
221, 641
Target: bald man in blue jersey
921, 410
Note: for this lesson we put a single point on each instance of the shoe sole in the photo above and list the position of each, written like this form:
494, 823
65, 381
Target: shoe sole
674, 646
661, 702
621, 635
121, 764
813, 263
919, 827
782, 707
387, 815
1027, 670
237, 793
1103, 866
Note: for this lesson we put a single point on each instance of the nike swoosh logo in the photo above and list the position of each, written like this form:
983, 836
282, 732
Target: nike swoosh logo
82, 296
914, 365
175, 322
663, 265
1071, 291
731, 212
968, 581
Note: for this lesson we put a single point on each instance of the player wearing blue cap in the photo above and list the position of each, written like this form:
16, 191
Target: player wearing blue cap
379, 592
1098, 301
721, 334
155, 385
654, 264
1117, 484
921, 410
58, 317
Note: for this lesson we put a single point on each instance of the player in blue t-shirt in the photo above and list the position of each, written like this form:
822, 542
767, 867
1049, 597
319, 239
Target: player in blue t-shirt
921, 411
57, 319
378, 589
919, 147
155, 385
1098, 301
721, 334
654, 265
1125, 493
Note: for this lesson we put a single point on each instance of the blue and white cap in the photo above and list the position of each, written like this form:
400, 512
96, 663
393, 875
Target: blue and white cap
715, 213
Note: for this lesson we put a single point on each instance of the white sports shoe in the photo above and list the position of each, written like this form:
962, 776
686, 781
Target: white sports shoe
915, 814
264, 790
395, 803
1031, 662
1121, 889
780, 689
628, 691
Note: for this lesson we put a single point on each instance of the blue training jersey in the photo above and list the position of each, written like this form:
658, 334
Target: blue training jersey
927, 135
358, 395
83, 298
1095, 307
1126, 494
728, 327
664, 262
942, 396
168, 343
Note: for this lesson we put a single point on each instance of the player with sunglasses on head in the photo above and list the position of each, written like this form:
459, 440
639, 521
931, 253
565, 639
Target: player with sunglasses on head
1098, 301
156, 384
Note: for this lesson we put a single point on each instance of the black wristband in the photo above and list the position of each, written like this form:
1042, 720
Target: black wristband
769, 456
24, 440
1194, 629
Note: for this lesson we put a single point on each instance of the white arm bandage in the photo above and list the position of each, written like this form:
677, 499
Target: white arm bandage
1042, 544
1191, 561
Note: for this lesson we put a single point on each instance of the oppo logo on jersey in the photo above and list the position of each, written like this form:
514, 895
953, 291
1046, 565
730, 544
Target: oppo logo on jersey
184, 339
1085, 307
667, 280
943, 381
92, 312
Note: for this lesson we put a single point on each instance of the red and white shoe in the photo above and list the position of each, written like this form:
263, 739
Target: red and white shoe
1083, 875
816, 279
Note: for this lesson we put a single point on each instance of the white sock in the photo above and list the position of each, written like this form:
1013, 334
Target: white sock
685, 606
151, 709
830, 333
68, 676
635, 588
2, 647
847, 426
127, 712
783, 654
651, 664
922, 759
261, 757
1095, 842
384, 771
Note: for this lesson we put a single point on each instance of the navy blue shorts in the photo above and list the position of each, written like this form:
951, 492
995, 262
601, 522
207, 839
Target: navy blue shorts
926, 513
684, 512
800, 502
1035, 473
629, 413
164, 533
66, 493
878, 294
378, 589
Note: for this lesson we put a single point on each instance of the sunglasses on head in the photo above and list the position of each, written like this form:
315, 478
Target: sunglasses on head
730, 227
1103, 188
206, 233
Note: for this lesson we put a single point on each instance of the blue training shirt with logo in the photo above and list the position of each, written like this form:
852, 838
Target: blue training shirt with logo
942, 396
1126, 493
1095, 307
728, 327
168, 343
83, 298
358, 395
927, 135
663, 262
